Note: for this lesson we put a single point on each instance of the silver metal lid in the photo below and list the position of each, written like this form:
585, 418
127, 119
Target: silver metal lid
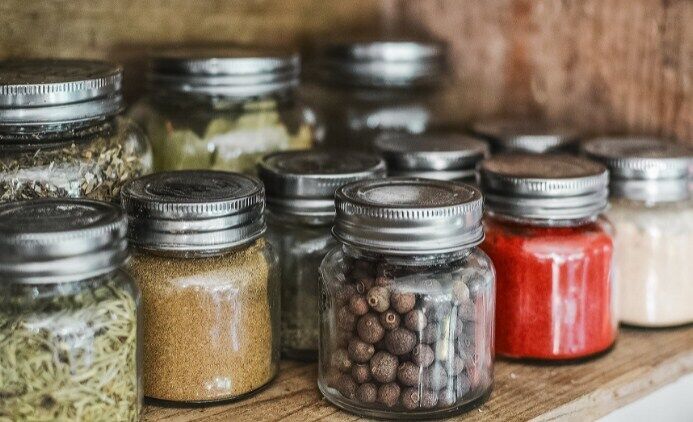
544, 187
303, 183
406, 216
233, 72
530, 136
437, 155
58, 91
48, 241
197, 211
645, 169
383, 63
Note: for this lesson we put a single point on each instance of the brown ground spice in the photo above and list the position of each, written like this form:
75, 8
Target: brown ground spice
207, 324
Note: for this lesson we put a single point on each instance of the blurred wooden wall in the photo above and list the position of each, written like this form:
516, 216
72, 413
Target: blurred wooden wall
605, 65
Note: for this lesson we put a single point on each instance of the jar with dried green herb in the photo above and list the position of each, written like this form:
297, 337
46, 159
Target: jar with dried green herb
209, 281
222, 108
68, 315
61, 132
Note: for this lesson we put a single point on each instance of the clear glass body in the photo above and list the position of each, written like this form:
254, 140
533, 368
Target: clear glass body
555, 297
192, 131
92, 161
406, 338
353, 118
654, 247
301, 244
210, 323
69, 351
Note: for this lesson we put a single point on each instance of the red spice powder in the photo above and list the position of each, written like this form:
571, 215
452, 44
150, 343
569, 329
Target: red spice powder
554, 292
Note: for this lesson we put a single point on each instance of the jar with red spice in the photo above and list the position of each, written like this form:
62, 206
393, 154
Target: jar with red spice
553, 255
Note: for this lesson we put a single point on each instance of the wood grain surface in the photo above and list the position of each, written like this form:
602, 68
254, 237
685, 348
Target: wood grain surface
641, 362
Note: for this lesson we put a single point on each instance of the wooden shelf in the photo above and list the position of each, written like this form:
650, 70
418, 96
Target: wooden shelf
641, 362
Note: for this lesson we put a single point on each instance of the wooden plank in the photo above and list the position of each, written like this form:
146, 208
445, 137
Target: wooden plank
641, 362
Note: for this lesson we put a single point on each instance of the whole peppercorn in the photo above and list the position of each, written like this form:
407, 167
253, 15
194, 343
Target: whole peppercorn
460, 291
384, 281
410, 398
360, 351
345, 319
340, 360
388, 394
457, 365
400, 341
466, 311
367, 393
462, 385
344, 293
435, 377
415, 320
332, 377
408, 374
430, 333
429, 399
369, 328
379, 298
389, 319
384, 367
358, 305
436, 309
403, 302
422, 355
364, 284
361, 373
347, 386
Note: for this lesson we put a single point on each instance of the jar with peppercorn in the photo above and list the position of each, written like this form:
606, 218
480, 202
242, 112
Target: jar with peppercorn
407, 301
553, 253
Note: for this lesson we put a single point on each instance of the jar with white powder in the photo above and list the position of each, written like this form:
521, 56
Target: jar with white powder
652, 212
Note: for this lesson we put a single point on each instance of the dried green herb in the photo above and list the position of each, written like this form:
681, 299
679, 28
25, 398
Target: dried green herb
69, 355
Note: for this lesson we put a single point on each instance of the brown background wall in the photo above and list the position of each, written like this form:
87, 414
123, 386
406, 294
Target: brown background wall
607, 66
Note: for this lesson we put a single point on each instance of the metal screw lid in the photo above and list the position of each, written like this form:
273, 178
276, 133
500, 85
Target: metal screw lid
643, 168
47, 241
233, 72
437, 155
383, 63
303, 183
58, 91
196, 211
544, 187
528, 136
407, 216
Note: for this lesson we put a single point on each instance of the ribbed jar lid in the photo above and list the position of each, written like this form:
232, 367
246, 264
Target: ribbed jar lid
47, 241
643, 168
438, 155
58, 91
408, 216
530, 136
544, 187
304, 182
197, 211
383, 63
234, 72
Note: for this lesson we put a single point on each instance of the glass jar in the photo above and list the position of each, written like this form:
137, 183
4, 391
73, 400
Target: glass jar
300, 209
223, 109
441, 155
69, 328
652, 213
527, 136
553, 255
210, 291
61, 132
408, 301
362, 90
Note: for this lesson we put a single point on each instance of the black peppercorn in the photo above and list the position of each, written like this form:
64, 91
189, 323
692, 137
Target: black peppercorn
345, 319
430, 333
415, 320
344, 294
422, 355
410, 398
384, 367
400, 341
367, 393
408, 374
435, 377
403, 302
389, 319
360, 351
361, 373
369, 328
388, 394
340, 360
429, 399
379, 298
358, 305
364, 284
347, 386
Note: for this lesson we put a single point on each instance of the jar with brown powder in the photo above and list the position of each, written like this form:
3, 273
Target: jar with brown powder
210, 292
